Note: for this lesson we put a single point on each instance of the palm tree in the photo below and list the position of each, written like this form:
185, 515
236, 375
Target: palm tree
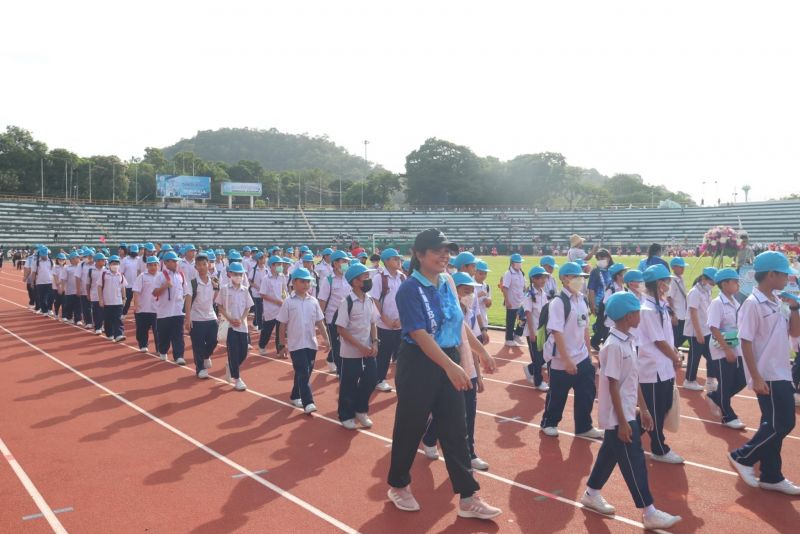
746, 189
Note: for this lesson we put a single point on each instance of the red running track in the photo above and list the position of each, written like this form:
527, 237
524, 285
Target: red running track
117, 441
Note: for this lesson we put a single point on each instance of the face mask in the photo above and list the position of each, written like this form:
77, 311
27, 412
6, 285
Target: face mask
236, 278
343, 268
575, 285
603, 264
279, 269
366, 285
468, 300
114, 268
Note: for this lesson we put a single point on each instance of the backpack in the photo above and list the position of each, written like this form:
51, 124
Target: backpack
385, 285
330, 292
542, 334
349, 309
214, 285
89, 283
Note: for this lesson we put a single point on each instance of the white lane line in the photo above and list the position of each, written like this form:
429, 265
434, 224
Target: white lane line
44, 508
316, 415
221, 457
259, 472
37, 516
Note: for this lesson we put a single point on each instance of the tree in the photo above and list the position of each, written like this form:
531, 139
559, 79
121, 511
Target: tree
21, 155
440, 172
746, 189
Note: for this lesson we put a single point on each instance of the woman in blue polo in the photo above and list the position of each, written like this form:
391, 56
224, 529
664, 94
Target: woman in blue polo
430, 378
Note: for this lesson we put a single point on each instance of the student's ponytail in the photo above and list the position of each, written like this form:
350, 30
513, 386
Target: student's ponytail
415, 264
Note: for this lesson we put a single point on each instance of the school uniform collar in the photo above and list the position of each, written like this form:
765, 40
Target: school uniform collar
620, 335
762, 298
298, 297
419, 277
570, 296
200, 280
355, 298
726, 301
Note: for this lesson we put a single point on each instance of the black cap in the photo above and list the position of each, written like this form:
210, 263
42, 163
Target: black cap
432, 239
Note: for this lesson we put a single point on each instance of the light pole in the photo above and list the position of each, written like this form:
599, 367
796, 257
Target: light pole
90, 181
716, 184
365, 178
702, 193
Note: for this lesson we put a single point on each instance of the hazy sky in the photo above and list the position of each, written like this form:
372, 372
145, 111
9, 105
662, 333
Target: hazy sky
679, 92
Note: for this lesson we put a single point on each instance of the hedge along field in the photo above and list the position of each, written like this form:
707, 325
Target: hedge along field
498, 265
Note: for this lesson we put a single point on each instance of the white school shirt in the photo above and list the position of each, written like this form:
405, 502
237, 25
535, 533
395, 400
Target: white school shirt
722, 314
333, 295
257, 274
170, 303
112, 284
248, 262
129, 267
677, 292
93, 281
618, 361
652, 363
576, 253
609, 322
235, 301
275, 287
69, 279
483, 311
43, 270
203, 301
323, 269
698, 298
358, 322
144, 285
514, 282
550, 287
535, 308
574, 330
389, 303
762, 322
300, 315
188, 269
57, 269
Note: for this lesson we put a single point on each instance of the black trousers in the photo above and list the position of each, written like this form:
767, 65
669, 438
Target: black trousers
333, 355
31, 295
204, 341
424, 389
145, 322
266, 333
630, 458
128, 299
303, 364
731, 381
696, 351
58, 301
170, 332
86, 309
258, 312
388, 344
658, 398
471, 407
677, 333
537, 361
44, 297
72, 308
357, 384
112, 320
511, 317
237, 350
583, 385
796, 372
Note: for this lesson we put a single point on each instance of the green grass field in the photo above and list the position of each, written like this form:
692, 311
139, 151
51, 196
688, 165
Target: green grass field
499, 264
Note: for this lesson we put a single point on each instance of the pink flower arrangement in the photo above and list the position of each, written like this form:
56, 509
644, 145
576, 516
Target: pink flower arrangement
721, 241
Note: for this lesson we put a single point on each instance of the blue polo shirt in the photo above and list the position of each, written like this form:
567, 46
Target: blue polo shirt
423, 306
598, 281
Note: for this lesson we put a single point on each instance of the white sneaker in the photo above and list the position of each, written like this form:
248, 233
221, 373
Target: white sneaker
745, 471
364, 420
659, 520
797, 399
331, 367
240, 385
311, 408
163, 357
202, 374
597, 503
403, 499
692, 385
180, 361
349, 424
228, 378
510, 343
711, 385
207, 363
383, 386
784, 486
142, 349
670, 458
124, 317
735, 424
64, 319
79, 323
119, 338
98, 332
520, 342
544, 386
550, 431
431, 453
475, 507
262, 352
110, 338
479, 464
592, 433
51, 313
715, 410
298, 403
528, 375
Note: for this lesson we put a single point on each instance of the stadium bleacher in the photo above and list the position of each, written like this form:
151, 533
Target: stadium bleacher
24, 223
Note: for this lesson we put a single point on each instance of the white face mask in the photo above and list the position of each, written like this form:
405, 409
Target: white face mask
468, 300
575, 285
343, 268
114, 268
279, 269
603, 264
236, 278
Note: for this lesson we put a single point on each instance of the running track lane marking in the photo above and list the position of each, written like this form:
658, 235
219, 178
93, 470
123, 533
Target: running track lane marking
243, 470
37, 516
260, 480
45, 509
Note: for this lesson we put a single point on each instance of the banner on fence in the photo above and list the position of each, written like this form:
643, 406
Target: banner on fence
190, 187
241, 189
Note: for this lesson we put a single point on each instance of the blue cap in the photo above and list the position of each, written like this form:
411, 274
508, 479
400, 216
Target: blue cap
246, 248
516, 258
726, 274
253, 249
452, 261
338, 255
73, 254
301, 273
203, 254
464, 279
149, 246
656, 272
134, 248
355, 261
621, 304
772, 261
210, 255
287, 260
85, 252
219, 252
99, 257
581, 263
363, 255
274, 259
388, 254
61, 256
304, 249
236, 267
151, 259
616, 268
113, 258
406, 265
548, 260
308, 257
43, 251
231, 251
536, 271
259, 255
123, 245
633, 275
482, 266
234, 256
464, 258
327, 251
710, 272
571, 269
677, 262
187, 248
356, 270
290, 249
105, 251
169, 256
166, 247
